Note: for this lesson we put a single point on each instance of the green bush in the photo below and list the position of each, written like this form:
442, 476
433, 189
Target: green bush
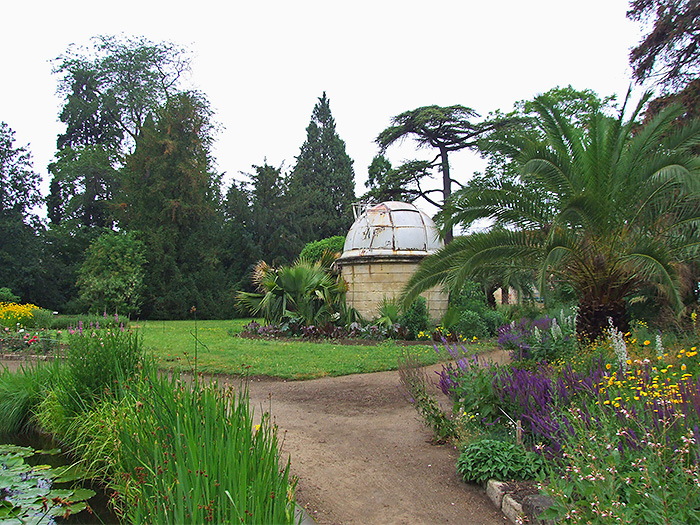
499, 460
314, 251
6, 296
471, 324
415, 318
469, 314
493, 319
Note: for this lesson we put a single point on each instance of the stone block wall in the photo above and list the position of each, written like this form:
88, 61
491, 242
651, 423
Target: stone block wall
370, 282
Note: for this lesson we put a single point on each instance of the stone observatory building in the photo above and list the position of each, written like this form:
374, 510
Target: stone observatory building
382, 250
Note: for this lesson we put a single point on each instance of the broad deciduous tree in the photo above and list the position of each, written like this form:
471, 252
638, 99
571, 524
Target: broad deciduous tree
111, 277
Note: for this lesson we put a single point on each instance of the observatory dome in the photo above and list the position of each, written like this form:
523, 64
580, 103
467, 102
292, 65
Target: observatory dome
391, 230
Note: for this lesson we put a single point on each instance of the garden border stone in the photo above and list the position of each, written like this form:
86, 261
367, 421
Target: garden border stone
532, 506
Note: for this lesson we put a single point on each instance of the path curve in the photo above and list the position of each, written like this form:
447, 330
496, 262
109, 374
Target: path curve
362, 455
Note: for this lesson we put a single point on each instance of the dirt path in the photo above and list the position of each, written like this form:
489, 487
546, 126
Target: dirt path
362, 455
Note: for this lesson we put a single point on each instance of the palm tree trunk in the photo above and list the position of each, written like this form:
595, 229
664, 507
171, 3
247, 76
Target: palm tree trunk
592, 320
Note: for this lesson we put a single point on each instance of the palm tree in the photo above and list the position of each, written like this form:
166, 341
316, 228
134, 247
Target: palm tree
609, 207
307, 292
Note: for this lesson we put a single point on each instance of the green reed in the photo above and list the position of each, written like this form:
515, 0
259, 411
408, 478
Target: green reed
190, 453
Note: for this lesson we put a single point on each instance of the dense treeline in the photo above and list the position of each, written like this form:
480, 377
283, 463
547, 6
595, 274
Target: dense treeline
137, 222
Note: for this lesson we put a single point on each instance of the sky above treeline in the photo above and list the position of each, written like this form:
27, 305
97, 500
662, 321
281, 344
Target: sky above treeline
264, 64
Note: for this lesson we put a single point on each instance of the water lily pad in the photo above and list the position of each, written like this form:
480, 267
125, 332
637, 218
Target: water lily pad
16, 450
82, 494
50, 452
71, 473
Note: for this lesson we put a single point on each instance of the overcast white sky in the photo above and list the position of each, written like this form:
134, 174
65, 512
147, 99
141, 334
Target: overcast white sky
263, 64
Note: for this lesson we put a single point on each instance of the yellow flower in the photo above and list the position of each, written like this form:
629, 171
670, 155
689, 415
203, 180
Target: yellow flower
647, 342
683, 367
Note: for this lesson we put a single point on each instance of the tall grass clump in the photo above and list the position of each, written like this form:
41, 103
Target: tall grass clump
191, 453
95, 361
21, 391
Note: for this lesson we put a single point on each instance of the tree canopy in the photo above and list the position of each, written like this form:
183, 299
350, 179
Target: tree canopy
446, 129
670, 52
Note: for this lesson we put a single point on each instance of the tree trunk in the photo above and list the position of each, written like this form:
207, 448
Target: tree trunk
592, 320
446, 186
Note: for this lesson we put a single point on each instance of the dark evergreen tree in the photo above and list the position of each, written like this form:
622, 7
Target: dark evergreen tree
271, 219
239, 249
387, 183
321, 187
670, 52
19, 242
171, 198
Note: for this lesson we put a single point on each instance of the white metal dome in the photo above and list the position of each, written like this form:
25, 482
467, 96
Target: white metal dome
391, 229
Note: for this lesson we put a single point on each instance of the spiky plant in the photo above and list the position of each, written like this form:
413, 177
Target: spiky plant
305, 291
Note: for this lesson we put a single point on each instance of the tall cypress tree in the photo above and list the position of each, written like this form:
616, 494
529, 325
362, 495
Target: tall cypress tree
321, 187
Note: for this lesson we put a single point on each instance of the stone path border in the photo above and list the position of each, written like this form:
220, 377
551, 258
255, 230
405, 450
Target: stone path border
528, 512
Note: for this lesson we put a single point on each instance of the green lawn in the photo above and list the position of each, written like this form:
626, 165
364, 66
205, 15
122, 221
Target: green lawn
221, 351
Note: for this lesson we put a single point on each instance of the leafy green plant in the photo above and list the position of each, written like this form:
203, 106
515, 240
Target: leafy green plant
305, 292
470, 325
389, 313
500, 460
415, 318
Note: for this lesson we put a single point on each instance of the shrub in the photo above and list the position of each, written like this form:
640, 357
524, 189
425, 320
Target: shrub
493, 319
415, 318
6, 296
500, 460
470, 325
314, 251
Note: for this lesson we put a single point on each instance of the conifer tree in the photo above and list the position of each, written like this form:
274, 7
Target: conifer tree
321, 187
171, 197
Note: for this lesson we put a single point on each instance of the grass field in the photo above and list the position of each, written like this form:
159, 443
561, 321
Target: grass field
220, 350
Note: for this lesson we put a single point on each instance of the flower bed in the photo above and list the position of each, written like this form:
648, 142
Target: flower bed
618, 426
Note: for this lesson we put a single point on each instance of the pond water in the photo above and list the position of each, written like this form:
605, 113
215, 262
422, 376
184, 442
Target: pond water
98, 503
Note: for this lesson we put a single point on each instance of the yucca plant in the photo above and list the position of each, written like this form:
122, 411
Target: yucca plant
608, 207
